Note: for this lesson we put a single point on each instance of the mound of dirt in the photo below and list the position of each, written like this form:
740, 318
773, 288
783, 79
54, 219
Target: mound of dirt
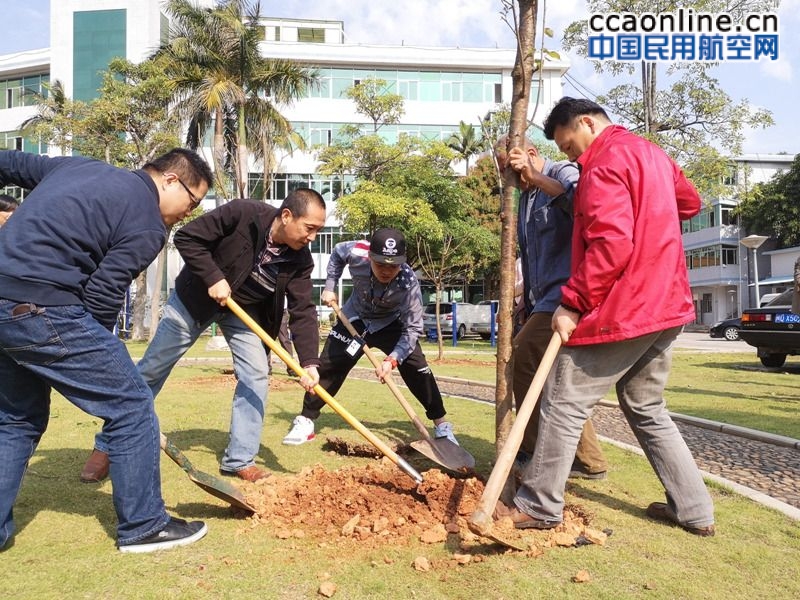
377, 504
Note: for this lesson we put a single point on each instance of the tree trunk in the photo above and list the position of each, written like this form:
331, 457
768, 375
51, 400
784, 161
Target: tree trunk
649, 96
242, 154
521, 78
218, 155
139, 306
155, 300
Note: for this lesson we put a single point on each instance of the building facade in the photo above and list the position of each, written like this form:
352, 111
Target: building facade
721, 271
440, 87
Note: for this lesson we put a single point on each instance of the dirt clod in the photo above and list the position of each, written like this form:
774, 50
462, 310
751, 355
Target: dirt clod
377, 505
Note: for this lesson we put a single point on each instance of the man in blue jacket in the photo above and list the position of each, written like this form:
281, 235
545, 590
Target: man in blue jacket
544, 234
69, 254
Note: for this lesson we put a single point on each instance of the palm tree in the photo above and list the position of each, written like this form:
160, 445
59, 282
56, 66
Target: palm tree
220, 78
54, 118
466, 143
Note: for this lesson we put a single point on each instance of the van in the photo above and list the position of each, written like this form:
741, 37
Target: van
466, 316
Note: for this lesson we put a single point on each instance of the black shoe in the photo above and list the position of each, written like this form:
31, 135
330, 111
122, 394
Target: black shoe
176, 533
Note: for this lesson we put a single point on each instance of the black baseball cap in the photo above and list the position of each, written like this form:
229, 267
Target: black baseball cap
388, 247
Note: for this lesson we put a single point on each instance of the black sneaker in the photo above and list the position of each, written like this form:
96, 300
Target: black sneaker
176, 533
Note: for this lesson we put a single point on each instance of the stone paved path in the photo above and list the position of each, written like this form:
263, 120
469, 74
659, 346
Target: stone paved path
767, 468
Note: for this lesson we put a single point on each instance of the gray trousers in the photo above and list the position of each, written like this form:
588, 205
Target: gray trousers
580, 377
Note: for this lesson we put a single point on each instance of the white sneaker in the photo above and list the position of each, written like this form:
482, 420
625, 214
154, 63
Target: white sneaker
302, 431
445, 430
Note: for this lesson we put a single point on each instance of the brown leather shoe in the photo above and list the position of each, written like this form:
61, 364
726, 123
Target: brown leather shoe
520, 519
251, 473
660, 511
96, 468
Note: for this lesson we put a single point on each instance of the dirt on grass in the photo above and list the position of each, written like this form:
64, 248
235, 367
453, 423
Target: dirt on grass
376, 504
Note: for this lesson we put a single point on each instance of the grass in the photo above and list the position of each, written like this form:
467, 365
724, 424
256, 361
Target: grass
65, 541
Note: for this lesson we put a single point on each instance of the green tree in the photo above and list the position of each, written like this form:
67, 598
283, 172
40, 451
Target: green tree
466, 143
690, 115
220, 79
373, 99
55, 117
365, 156
772, 208
127, 125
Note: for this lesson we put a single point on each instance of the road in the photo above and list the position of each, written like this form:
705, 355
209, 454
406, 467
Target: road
701, 342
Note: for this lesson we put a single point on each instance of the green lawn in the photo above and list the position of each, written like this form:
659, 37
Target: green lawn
65, 544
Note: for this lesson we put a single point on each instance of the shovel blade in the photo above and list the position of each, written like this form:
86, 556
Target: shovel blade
221, 489
215, 486
446, 453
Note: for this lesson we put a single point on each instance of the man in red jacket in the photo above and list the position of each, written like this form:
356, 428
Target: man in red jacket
624, 304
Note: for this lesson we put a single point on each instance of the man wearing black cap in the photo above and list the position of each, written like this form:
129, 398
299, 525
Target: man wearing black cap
385, 307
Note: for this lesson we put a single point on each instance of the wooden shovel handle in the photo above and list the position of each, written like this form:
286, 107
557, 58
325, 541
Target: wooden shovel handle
321, 392
482, 517
423, 431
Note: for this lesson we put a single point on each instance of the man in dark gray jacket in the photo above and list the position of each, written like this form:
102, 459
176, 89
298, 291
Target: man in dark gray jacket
258, 255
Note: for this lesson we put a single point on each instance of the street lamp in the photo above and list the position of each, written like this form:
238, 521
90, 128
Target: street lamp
753, 242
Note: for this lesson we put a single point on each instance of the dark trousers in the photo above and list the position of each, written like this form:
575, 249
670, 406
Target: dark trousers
529, 346
336, 363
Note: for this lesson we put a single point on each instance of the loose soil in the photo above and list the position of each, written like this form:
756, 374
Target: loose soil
376, 504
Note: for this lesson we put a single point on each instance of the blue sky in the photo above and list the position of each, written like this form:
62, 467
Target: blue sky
477, 23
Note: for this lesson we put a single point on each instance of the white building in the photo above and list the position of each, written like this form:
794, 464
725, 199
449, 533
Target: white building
441, 86
720, 268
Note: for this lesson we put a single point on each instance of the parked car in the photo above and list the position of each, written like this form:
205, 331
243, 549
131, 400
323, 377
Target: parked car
483, 326
728, 329
466, 315
773, 329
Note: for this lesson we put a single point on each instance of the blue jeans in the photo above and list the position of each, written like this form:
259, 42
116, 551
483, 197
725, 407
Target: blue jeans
580, 377
66, 349
177, 332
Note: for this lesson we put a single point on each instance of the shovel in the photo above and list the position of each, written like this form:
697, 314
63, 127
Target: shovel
441, 450
213, 485
481, 520
322, 393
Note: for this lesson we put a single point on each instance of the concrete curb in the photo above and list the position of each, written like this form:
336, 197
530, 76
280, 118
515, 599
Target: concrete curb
753, 434
754, 495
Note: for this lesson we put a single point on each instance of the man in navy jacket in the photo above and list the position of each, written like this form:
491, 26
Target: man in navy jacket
70, 252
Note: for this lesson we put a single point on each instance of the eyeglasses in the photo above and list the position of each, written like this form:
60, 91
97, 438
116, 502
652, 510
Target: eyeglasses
194, 200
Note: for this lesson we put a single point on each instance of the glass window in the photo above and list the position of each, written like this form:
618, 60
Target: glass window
314, 35
705, 304
408, 90
430, 91
340, 85
472, 92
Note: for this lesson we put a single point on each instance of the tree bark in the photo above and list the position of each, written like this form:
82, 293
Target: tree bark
139, 305
155, 300
521, 78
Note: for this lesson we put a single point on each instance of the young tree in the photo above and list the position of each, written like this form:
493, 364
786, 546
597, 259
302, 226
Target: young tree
690, 115
521, 16
374, 100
